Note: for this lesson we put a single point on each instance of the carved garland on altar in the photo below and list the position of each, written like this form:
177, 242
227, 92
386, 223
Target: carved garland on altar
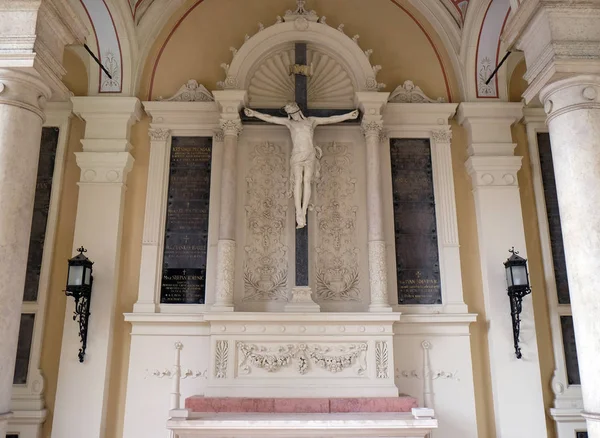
265, 267
337, 268
321, 356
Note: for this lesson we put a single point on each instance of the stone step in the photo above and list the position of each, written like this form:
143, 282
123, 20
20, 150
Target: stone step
300, 405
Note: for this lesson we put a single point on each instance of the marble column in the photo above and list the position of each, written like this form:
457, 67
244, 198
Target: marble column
371, 104
573, 109
230, 103
516, 384
83, 388
21, 117
32, 41
560, 41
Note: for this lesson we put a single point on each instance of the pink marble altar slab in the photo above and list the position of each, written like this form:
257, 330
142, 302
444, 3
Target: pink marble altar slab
372, 404
300, 405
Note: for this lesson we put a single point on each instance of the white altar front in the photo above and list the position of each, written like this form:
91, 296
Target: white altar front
251, 338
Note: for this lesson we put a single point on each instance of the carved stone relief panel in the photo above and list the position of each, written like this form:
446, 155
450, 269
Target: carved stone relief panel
337, 272
266, 205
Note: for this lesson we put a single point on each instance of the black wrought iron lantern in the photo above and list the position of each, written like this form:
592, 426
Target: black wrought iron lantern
79, 286
517, 280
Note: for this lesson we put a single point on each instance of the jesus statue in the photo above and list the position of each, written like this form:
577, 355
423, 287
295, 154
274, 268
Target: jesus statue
303, 163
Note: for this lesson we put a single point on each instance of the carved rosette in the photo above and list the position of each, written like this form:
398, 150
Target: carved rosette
442, 135
333, 359
225, 272
378, 273
159, 134
265, 266
231, 127
381, 359
337, 270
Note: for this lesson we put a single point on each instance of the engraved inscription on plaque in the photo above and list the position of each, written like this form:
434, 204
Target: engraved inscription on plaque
40, 212
568, 334
24, 349
556, 242
186, 236
417, 258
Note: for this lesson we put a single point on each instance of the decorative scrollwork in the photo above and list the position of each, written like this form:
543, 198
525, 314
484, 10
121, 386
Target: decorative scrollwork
191, 91
410, 93
323, 357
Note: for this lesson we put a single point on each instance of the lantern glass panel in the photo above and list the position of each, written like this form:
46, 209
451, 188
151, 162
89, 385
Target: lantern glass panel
88, 275
509, 279
75, 276
519, 275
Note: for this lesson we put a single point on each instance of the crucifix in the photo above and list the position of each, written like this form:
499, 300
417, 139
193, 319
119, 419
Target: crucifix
304, 164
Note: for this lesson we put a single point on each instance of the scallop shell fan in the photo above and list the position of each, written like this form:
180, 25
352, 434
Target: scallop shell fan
272, 86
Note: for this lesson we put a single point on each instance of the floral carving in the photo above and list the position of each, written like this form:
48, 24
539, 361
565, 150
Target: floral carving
483, 74
225, 273
381, 359
337, 272
334, 359
442, 135
231, 126
111, 63
221, 358
410, 93
265, 265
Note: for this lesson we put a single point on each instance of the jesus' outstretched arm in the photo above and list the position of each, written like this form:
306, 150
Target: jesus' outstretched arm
265, 117
335, 119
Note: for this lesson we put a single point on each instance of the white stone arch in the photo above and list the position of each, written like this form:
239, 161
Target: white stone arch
301, 26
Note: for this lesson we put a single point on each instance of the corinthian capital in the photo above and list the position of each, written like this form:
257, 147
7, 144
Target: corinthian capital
442, 135
371, 127
159, 134
231, 126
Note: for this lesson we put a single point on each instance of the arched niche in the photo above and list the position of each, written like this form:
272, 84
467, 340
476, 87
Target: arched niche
339, 66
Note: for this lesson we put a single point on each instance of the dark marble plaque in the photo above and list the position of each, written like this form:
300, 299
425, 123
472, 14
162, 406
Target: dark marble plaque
417, 255
40, 212
582, 435
24, 348
186, 237
568, 335
12, 435
552, 210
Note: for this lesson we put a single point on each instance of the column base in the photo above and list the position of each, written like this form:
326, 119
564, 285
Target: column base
380, 308
301, 301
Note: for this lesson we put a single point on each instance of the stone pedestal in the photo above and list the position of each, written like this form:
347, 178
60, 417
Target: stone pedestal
301, 355
516, 384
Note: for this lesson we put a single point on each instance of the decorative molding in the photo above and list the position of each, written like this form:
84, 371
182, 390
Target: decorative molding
266, 264
435, 375
225, 273
231, 127
221, 359
335, 358
191, 91
159, 134
337, 268
104, 168
381, 358
410, 93
442, 135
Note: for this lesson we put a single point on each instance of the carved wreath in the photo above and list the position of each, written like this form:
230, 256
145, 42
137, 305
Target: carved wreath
261, 357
